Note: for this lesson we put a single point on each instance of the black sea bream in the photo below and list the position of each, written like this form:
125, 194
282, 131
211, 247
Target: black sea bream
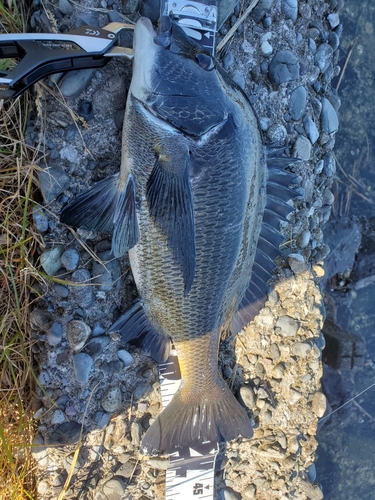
191, 206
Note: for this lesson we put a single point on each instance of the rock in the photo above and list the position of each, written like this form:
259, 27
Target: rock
301, 349
83, 295
136, 433
330, 121
114, 489
247, 396
70, 259
54, 334
290, 9
53, 181
333, 19
297, 102
111, 399
288, 326
97, 345
249, 492
118, 117
313, 492
66, 433
82, 364
70, 153
105, 274
75, 82
59, 119
319, 404
333, 40
86, 110
125, 357
329, 165
260, 10
65, 7
283, 67
159, 463
294, 396
228, 61
39, 451
98, 329
40, 219
61, 290
302, 148
115, 17
266, 48
239, 79
303, 239
328, 197
40, 319
44, 378
297, 263
323, 56
274, 352
277, 133
229, 494
77, 333
51, 260
311, 129
58, 417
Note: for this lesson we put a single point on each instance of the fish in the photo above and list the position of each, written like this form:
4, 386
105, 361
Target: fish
196, 204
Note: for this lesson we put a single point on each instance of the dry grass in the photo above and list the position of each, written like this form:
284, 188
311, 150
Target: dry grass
17, 247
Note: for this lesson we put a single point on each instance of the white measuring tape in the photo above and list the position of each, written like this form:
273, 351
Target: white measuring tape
190, 474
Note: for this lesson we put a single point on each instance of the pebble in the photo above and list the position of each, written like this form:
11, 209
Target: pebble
297, 263
290, 9
328, 197
114, 489
39, 451
98, 329
111, 399
274, 352
75, 82
333, 40
70, 259
323, 56
312, 492
51, 260
239, 78
294, 396
276, 133
333, 19
302, 148
83, 295
136, 433
54, 334
261, 10
301, 349
228, 61
118, 117
229, 494
247, 396
59, 118
311, 472
70, 132
85, 109
283, 67
266, 48
82, 364
52, 182
77, 333
303, 239
58, 417
249, 492
288, 326
125, 357
40, 219
61, 290
66, 433
319, 404
40, 319
297, 102
44, 378
330, 121
311, 129
97, 345
65, 7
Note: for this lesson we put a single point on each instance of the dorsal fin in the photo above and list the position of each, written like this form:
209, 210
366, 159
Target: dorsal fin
276, 209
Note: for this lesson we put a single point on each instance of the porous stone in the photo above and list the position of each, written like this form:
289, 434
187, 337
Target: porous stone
111, 399
82, 364
283, 67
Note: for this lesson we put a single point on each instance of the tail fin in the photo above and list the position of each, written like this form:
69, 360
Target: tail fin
186, 422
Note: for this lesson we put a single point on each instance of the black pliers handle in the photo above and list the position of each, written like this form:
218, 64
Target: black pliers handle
39, 55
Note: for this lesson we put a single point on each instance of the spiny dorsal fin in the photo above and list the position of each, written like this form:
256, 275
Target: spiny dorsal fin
169, 197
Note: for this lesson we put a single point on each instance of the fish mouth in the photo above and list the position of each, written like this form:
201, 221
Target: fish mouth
144, 22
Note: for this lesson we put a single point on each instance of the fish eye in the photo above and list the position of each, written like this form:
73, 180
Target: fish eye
205, 61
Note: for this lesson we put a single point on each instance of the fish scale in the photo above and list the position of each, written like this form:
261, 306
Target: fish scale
189, 205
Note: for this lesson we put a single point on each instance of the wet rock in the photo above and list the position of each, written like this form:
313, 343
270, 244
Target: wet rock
70, 259
51, 260
330, 121
77, 333
66, 433
288, 326
302, 148
40, 219
290, 9
54, 334
83, 295
297, 102
82, 364
53, 181
283, 67
111, 399
125, 357
75, 82
40, 319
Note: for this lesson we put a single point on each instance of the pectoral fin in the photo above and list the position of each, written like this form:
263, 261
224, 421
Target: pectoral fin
126, 232
170, 203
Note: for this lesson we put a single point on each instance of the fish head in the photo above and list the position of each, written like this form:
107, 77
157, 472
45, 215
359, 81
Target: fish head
176, 78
